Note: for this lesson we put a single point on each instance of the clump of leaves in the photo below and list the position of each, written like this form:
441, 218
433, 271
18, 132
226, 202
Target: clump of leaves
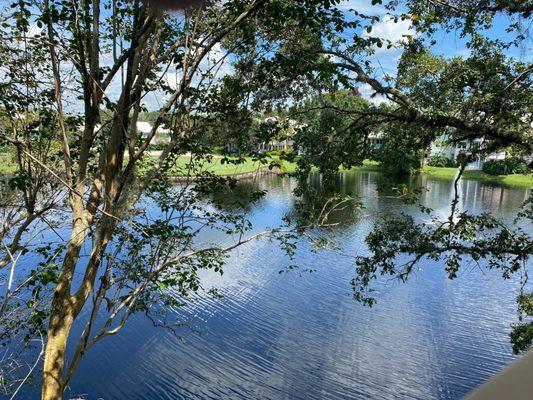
522, 332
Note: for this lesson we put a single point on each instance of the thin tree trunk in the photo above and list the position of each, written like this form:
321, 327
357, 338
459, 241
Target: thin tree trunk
62, 315
54, 359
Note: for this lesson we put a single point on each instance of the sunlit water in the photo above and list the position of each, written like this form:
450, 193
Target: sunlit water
302, 336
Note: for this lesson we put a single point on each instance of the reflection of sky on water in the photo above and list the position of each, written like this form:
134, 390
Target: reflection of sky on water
301, 336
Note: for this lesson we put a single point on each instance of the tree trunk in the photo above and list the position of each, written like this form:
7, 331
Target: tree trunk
62, 315
54, 358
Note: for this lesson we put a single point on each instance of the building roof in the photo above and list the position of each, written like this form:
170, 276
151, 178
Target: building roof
376, 135
144, 127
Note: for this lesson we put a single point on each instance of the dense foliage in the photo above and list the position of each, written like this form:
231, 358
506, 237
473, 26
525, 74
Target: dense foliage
510, 165
402, 151
441, 161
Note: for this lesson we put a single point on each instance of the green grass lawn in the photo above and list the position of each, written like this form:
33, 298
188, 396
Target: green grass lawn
507, 180
216, 167
367, 166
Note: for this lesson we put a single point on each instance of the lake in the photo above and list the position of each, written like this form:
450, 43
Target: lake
300, 335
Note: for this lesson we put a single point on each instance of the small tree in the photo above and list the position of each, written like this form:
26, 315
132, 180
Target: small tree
402, 150
87, 170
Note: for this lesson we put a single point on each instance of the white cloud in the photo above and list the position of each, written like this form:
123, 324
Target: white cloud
389, 30
362, 6
463, 53
368, 93
215, 62
395, 33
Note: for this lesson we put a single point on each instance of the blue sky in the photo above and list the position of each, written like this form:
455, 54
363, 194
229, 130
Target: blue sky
448, 44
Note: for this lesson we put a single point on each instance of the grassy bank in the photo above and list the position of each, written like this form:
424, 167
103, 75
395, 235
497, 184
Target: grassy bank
517, 180
215, 166
367, 166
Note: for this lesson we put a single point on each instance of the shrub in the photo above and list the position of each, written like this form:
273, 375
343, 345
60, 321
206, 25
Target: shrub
219, 150
440, 161
497, 167
157, 146
278, 153
516, 165
512, 165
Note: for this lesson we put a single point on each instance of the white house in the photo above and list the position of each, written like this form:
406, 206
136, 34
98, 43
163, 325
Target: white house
375, 139
441, 147
162, 135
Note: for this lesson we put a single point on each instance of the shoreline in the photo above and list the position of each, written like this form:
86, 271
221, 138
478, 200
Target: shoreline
441, 173
264, 170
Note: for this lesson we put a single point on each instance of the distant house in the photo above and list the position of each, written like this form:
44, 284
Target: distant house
375, 139
162, 135
441, 147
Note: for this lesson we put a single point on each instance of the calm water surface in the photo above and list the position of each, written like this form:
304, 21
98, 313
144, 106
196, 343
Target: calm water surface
301, 336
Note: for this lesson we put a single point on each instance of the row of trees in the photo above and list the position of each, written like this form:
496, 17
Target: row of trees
75, 209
